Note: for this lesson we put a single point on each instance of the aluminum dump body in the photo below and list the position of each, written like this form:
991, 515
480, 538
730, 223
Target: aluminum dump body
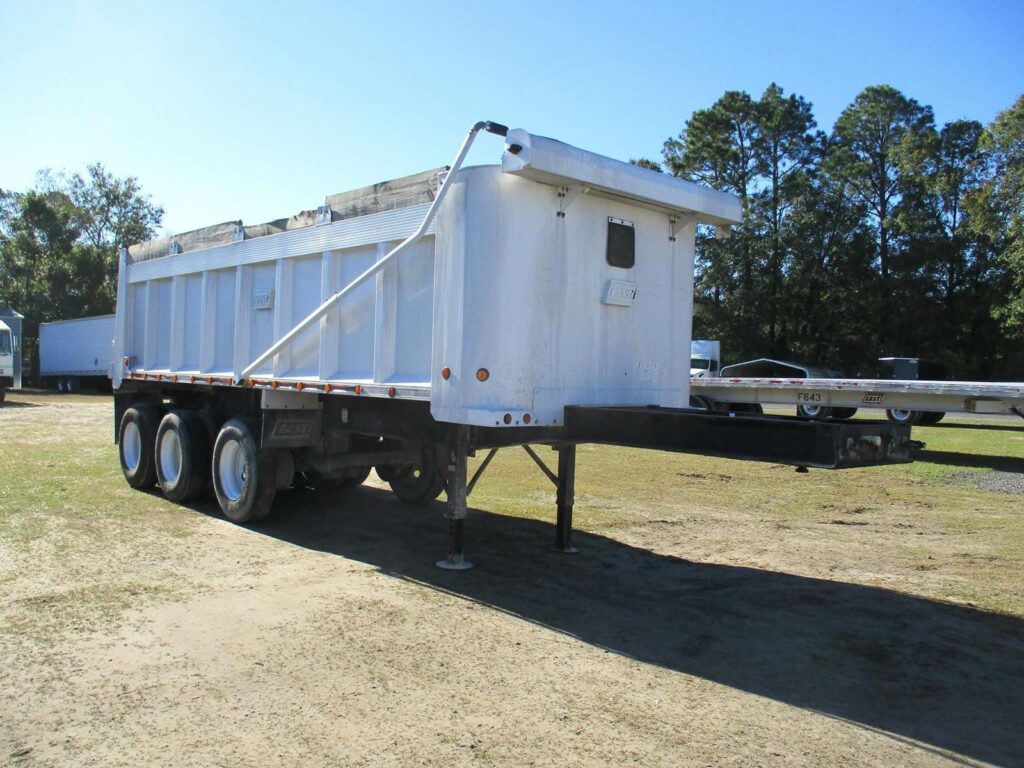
558, 278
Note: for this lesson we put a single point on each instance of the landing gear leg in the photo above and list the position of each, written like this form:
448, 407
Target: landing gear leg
458, 449
565, 497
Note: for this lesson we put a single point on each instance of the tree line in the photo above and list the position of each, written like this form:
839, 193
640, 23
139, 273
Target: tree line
888, 236
59, 245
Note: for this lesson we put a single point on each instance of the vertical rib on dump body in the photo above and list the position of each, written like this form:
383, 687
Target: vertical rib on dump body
558, 278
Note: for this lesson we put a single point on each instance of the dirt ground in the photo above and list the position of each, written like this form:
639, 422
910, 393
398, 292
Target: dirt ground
698, 632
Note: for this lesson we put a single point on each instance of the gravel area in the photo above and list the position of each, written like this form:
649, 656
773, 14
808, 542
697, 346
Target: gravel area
995, 481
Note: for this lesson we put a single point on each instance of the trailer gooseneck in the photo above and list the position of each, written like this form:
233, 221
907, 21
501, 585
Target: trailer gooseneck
404, 326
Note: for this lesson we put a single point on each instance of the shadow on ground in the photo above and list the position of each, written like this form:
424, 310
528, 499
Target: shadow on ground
983, 461
14, 404
947, 676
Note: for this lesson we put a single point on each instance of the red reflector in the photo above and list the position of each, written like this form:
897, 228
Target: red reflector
358, 389
392, 391
446, 373
526, 418
508, 418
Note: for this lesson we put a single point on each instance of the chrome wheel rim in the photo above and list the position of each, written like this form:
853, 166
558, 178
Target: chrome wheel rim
170, 456
900, 414
131, 446
233, 470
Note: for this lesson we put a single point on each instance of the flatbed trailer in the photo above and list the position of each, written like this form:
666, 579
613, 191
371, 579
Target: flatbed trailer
902, 400
403, 327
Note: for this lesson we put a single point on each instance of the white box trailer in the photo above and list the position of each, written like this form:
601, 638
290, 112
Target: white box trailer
547, 299
76, 352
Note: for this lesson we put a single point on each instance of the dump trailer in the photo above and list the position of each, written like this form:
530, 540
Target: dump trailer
76, 353
544, 300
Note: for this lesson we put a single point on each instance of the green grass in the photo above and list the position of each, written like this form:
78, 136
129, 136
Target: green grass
72, 533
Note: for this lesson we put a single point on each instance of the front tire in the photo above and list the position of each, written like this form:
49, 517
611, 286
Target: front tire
244, 477
814, 411
136, 442
931, 418
182, 456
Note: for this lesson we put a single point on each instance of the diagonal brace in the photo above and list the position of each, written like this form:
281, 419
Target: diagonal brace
551, 475
480, 470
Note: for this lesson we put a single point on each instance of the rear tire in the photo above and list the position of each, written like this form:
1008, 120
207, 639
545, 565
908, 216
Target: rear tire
843, 413
3, 394
416, 483
182, 456
931, 418
903, 416
136, 442
244, 477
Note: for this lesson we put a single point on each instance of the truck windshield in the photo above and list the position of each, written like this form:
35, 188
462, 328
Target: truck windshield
5, 342
699, 362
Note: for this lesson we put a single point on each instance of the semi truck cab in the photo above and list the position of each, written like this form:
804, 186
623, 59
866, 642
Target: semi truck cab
6, 359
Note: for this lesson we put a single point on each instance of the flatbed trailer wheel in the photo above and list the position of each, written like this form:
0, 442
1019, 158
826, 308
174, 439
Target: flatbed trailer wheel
843, 413
931, 418
3, 394
903, 416
137, 445
244, 477
182, 456
814, 411
416, 483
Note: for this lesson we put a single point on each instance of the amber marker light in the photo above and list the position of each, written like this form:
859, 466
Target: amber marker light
209, 379
191, 379
446, 373
483, 374
508, 418
358, 389
527, 418
174, 378
327, 388
299, 386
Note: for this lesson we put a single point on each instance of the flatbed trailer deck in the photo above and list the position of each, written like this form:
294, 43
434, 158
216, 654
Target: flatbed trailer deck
888, 394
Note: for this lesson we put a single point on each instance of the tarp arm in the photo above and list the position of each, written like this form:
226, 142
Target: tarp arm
331, 301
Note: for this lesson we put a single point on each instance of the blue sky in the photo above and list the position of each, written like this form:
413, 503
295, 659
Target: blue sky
256, 110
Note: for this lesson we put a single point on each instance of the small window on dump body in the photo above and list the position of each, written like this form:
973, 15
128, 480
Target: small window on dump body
621, 243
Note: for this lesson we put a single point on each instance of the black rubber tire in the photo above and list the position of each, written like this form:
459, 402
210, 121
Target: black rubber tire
843, 413
931, 418
416, 483
139, 467
386, 472
814, 411
251, 496
903, 416
341, 482
194, 456
3, 394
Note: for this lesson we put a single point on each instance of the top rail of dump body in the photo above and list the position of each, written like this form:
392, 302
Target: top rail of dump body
285, 305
